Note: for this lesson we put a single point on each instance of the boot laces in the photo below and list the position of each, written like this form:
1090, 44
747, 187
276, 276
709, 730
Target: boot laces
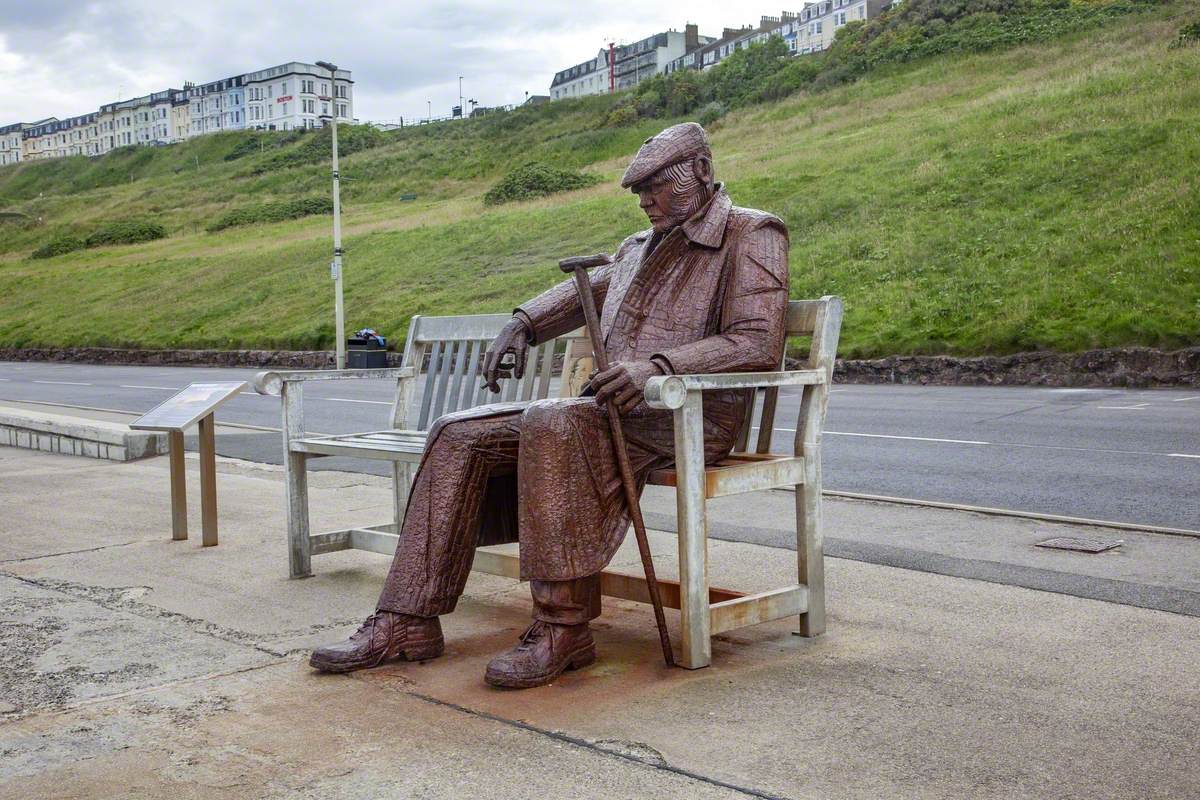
533, 634
368, 626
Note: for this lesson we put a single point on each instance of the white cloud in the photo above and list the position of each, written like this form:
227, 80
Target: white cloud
68, 57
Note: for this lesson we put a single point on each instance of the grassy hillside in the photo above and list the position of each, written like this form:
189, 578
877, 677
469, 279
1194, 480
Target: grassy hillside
1046, 196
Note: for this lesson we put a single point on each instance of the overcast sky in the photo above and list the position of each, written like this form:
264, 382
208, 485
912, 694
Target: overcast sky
66, 57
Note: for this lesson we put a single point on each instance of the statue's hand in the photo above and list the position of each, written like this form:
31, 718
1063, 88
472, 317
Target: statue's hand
513, 340
624, 382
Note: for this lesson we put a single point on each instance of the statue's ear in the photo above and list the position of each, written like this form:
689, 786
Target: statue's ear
702, 168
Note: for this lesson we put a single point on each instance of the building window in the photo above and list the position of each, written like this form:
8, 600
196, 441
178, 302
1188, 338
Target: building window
341, 109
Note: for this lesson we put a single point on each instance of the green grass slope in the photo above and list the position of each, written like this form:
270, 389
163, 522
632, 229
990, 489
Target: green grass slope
1045, 196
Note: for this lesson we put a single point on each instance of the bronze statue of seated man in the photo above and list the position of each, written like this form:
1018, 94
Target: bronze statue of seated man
705, 289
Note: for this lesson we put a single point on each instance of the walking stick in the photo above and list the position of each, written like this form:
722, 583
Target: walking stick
579, 266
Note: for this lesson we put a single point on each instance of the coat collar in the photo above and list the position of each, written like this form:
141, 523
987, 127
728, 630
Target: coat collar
707, 226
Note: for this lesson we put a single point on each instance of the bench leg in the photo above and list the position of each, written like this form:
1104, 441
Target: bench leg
299, 544
695, 625
401, 483
179, 518
810, 547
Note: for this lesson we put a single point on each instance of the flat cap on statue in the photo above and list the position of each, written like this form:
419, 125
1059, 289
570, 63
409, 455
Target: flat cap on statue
675, 144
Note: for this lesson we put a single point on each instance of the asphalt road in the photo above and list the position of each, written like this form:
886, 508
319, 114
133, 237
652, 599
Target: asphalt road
1119, 455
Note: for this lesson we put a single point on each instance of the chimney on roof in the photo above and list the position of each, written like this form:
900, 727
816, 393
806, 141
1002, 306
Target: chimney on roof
691, 37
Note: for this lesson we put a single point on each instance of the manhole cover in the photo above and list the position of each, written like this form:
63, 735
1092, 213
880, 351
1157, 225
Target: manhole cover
1080, 544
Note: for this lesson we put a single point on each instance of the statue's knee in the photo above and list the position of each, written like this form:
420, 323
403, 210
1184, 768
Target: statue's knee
555, 417
453, 431
543, 416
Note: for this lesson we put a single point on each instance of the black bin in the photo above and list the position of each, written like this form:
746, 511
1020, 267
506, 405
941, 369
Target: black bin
365, 354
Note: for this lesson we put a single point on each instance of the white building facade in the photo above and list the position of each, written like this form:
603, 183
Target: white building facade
216, 106
284, 97
297, 95
12, 142
631, 64
819, 22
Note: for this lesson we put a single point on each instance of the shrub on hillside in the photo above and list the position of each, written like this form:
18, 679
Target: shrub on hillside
623, 114
1188, 35
272, 212
536, 180
129, 232
62, 243
262, 141
711, 113
318, 147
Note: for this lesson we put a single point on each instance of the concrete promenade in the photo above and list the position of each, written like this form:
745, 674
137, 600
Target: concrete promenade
133, 666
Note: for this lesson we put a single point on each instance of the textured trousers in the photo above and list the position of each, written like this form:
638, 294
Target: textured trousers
545, 469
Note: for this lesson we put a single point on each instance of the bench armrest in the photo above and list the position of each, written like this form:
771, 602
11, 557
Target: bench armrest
272, 381
670, 391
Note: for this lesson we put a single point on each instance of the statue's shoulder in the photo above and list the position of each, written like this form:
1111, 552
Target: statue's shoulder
745, 220
632, 241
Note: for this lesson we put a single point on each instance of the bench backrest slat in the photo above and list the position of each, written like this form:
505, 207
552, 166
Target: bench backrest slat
547, 367
460, 367
450, 351
471, 382
435, 361
443, 378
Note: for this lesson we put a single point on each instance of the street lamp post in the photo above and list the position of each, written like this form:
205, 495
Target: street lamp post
336, 267
460, 109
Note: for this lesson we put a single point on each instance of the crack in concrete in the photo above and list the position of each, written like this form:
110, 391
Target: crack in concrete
633, 752
95, 701
67, 552
123, 599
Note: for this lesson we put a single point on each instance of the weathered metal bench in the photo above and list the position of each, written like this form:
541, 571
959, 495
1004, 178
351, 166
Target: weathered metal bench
449, 351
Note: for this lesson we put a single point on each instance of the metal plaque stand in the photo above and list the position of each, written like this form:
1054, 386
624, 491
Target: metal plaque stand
196, 404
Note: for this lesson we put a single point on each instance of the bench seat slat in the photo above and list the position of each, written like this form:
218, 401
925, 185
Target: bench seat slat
400, 451
742, 472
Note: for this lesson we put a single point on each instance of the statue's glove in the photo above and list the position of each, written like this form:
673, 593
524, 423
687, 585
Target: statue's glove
513, 340
624, 382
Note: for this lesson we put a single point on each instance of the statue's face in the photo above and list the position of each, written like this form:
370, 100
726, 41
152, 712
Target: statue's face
674, 193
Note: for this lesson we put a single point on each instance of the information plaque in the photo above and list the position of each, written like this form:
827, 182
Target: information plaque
193, 405
180, 411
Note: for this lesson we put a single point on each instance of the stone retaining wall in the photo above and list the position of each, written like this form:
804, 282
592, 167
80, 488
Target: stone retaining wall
1131, 366
57, 433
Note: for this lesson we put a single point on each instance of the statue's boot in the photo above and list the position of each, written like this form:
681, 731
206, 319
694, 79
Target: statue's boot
384, 636
558, 640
